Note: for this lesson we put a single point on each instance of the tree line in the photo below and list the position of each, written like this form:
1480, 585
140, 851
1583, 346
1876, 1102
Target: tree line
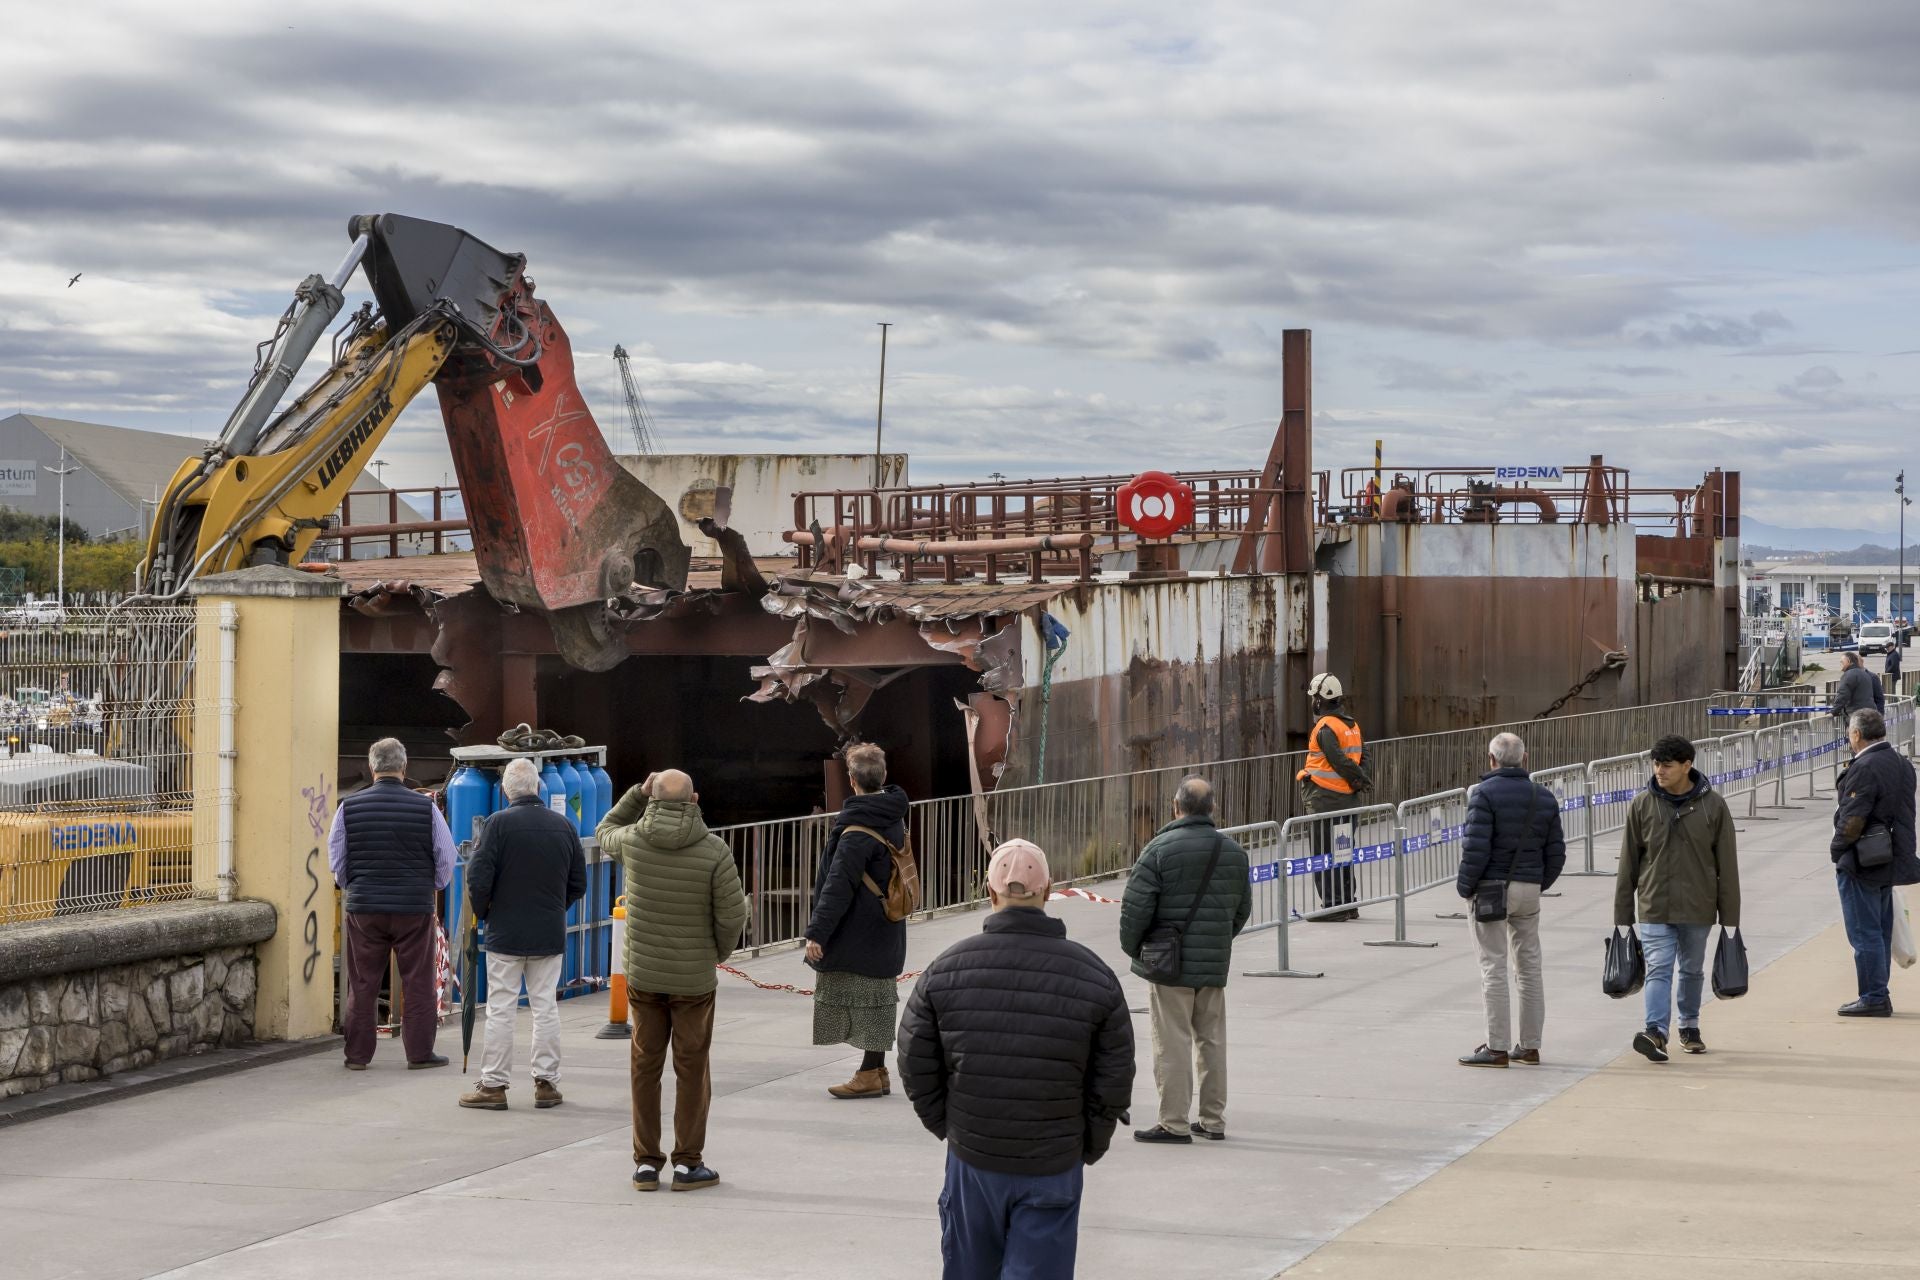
31, 542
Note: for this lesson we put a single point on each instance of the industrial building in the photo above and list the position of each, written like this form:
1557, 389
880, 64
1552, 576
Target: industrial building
1863, 592
120, 472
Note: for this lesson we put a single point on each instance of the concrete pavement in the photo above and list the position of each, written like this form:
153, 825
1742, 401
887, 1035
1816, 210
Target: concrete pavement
1788, 1150
1344, 1097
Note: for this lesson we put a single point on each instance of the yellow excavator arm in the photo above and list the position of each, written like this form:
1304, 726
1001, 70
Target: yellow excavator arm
559, 526
268, 507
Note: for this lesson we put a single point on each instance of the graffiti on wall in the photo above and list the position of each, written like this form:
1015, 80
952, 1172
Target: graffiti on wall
319, 799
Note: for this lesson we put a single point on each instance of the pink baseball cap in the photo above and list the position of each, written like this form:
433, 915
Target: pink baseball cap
1019, 867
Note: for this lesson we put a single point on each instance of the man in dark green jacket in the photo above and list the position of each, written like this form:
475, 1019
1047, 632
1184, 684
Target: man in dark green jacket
1679, 872
685, 913
1170, 883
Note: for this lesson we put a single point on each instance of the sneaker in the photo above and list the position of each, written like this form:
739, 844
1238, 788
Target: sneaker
1157, 1134
355, 1066
429, 1062
685, 1179
646, 1178
1650, 1044
1690, 1040
486, 1098
1531, 1057
1211, 1135
546, 1094
1485, 1057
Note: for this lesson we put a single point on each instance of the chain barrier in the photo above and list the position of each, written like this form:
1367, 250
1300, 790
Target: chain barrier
788, 986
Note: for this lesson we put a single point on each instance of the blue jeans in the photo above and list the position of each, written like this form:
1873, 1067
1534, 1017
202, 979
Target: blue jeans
1008, 1226
1663, 944
1867, 910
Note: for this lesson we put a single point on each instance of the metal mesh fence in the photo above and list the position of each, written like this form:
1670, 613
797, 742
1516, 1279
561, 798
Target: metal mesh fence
98, 763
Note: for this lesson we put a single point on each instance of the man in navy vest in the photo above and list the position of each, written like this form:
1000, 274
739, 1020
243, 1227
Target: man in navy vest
390, 850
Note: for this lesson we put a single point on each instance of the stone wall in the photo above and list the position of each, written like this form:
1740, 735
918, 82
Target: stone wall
87, 996
80, 1026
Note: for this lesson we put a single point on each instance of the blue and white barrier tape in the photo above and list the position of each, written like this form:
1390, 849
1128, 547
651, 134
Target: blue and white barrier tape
1769, 711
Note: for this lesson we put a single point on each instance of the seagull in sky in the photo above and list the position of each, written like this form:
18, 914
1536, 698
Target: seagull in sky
76, 279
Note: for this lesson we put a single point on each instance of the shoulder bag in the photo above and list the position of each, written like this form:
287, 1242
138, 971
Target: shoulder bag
1490, 896
1874, 848
1160, 950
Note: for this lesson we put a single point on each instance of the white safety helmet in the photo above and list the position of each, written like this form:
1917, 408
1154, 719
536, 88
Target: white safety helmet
1325, 687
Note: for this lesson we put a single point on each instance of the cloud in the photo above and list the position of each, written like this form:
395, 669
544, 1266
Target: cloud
1115, 202
1399, 373
1695, 330
1637, 370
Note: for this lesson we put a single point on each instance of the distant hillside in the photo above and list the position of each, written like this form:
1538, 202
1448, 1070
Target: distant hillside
1862, 555
1758, 535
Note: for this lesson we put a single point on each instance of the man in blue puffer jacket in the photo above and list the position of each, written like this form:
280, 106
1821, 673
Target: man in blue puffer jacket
1512, 835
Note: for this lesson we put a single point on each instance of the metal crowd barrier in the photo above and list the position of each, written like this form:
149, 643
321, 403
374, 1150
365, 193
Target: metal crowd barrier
1354, 846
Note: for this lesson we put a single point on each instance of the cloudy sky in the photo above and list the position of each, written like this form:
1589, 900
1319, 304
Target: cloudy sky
1678, 235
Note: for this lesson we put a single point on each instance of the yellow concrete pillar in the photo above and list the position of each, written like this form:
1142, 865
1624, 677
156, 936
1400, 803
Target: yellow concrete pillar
286, 683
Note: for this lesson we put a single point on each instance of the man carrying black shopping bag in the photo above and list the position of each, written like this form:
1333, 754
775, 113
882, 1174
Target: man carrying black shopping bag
1679, 872
1511, 852
1872, 850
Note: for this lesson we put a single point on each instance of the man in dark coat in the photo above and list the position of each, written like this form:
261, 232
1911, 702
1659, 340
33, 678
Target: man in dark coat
390, 850
1016, 1048
1876, 790
1891, 683
526, 870
1512, 835
1679, 873
857, 951
1169, 885
1854, 689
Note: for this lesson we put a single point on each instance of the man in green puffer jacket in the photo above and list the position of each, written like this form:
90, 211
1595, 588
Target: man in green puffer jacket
685, 913
1191, 1013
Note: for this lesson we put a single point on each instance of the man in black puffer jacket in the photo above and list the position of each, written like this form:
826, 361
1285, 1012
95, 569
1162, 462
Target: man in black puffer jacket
1017, 1049
1513, 836
1170, 885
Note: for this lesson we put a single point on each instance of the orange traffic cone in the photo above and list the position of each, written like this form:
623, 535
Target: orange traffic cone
617, 1027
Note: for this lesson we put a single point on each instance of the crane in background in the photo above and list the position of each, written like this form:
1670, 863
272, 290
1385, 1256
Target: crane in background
637, 416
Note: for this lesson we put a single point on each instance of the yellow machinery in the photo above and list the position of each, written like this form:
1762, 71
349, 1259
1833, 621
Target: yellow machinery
55, 863
559, 526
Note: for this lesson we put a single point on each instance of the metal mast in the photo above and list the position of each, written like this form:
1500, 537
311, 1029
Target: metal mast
638, 418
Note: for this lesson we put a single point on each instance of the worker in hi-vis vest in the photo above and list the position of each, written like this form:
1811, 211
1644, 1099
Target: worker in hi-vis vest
1333, 779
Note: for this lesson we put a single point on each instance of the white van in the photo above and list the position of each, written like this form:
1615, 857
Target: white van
1876, 637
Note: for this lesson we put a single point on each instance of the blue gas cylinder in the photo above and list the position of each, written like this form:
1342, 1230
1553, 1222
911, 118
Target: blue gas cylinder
603, 793
556, 787
576, 811
499, 795
469, 798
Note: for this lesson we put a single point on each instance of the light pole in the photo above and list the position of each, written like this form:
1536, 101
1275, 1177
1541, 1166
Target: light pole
1900, 491
60, 579
880, 413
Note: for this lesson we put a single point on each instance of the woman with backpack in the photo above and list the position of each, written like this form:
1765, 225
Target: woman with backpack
857, 950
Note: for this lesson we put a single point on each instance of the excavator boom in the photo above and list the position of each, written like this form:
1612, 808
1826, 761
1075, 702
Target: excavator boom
559, 526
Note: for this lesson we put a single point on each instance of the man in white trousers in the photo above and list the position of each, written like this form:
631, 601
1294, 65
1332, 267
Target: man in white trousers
527, 868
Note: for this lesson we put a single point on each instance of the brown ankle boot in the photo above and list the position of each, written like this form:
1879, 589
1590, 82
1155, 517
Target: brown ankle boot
485, 1098
865, 1084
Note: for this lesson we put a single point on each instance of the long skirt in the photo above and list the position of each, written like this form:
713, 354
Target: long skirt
849, 1008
